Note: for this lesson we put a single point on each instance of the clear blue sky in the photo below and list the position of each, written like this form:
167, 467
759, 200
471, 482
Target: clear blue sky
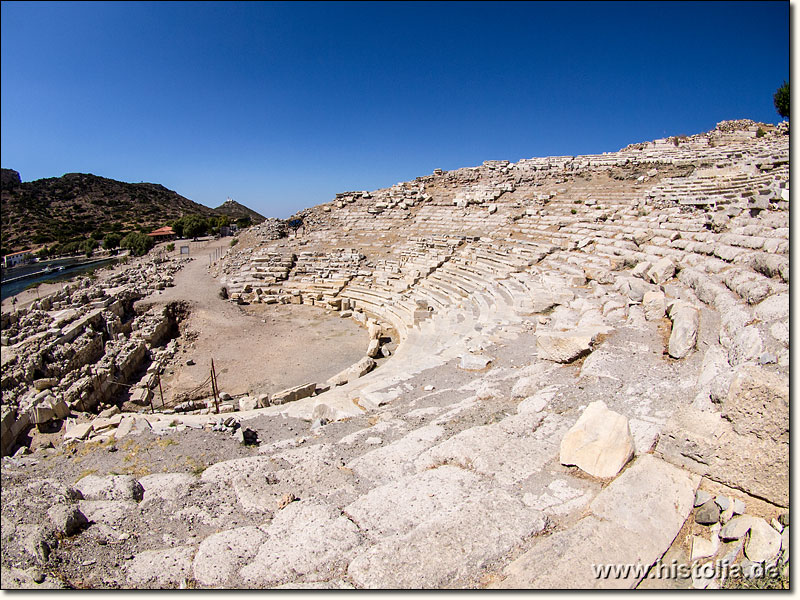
281, 105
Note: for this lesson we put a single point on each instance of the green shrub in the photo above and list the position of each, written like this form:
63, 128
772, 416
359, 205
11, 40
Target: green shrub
170, 247
234, 241
112, 241
138, 243
760, 133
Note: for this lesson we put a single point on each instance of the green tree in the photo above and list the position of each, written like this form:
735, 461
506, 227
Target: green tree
138, 243
112, 241
781, 99
89, 246
243, 222
194, 225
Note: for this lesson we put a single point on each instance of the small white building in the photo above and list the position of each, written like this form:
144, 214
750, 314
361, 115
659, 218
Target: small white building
17, 258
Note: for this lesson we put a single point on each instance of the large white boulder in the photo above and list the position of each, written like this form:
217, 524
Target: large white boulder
599, 443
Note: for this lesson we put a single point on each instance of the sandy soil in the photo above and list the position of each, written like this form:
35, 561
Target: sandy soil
256, 348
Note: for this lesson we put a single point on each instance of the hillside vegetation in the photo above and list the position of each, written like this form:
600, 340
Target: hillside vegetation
75, 208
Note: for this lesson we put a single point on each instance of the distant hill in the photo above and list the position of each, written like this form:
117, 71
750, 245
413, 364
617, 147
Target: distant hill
237, 211
71, 207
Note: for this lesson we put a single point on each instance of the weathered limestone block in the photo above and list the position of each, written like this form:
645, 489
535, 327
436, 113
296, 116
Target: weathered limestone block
705, 443
773, 308
763, 543
632, 521
112, 487
374, 348
361, 368
66, 518
747, 345
654, 305
563, 346
758, 403
633, 287
248, 403
306, 540
45, 383
483, 530
685, 323
599, 443
293, 394
474, 362
222, 554
661, 271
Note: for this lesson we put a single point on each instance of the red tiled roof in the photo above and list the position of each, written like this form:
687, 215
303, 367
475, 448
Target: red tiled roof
166, 230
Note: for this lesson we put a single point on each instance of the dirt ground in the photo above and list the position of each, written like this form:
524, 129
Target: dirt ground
256, 348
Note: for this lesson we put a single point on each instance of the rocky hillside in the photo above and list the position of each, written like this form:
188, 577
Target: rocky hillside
235, 211
61, 209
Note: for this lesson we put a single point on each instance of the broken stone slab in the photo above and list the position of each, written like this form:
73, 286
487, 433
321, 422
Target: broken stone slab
758, 403
654, 305
737, 528
248, 403
222, 554
483, 529
111, 487
685, 323
763, 542
705, 443
78, 432
359, 369
661, 271
701, 497
45, 383
703, 548
375, 399
632, 521
292, 394
600, 442
563, 346
474, 362
374, 348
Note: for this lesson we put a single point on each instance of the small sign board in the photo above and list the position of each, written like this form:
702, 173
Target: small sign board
184, 249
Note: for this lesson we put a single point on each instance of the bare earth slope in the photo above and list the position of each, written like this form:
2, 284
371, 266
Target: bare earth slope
582, 362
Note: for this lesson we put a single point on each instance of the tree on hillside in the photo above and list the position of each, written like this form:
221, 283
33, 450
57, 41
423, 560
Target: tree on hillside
89, 246
781, 99
138, 243
111, 241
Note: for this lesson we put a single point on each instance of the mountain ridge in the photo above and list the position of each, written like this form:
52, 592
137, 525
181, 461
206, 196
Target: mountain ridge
77, 205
